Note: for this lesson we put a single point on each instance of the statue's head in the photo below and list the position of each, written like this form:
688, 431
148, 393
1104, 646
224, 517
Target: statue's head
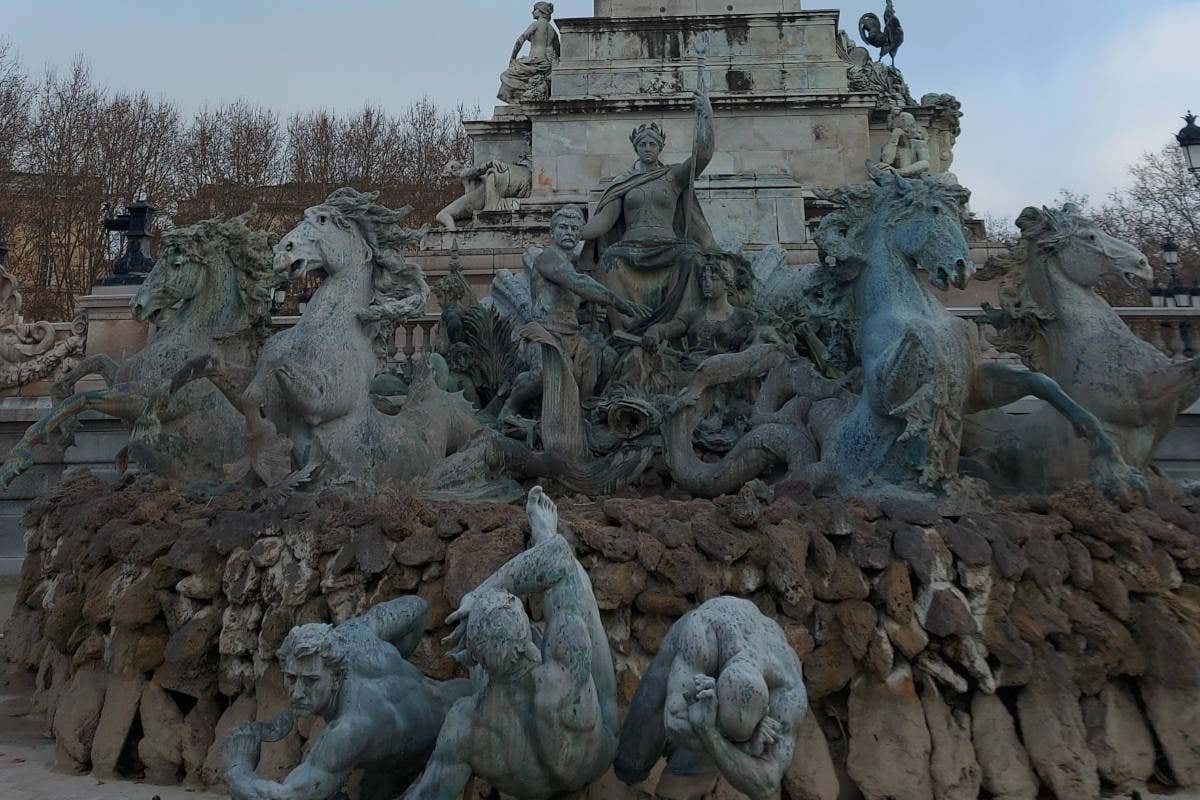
906, 122
346, 231
499, 638
543, 11
648, 142
312, 658
921, 218
1079, 249
565, 226
453, 169
208, 267
743, 699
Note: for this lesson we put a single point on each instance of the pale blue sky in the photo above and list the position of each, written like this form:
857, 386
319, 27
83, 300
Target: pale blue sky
1057, 93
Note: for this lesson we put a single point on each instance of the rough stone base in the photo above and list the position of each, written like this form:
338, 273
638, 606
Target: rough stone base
1011, 651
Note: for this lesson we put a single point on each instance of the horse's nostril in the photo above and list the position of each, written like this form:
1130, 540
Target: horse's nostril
290, 246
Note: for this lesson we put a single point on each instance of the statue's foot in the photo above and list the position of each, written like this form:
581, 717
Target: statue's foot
543, 513
1120, 482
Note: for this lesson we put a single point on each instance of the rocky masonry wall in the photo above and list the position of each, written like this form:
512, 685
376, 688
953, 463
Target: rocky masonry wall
1049, 646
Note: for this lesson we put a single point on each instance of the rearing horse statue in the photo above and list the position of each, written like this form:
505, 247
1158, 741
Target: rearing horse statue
307, 404
923, 369
1054, 319
208, 295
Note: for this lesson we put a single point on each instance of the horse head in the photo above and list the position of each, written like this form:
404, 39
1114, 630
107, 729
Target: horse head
213, 270
453, 169
1078, 249
923, 218
350, 237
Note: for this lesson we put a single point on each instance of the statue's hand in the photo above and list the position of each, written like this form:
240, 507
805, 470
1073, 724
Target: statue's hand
768, 734
459, 619
634, 310
702, 704
242, 748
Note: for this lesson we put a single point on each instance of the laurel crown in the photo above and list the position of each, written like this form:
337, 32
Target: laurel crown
652, 129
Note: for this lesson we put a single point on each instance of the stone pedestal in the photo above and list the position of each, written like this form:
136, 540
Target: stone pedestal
112, 330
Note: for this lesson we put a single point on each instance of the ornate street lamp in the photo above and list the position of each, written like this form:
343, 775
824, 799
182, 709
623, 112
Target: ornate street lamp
1176, 291
1189, 140
135, 262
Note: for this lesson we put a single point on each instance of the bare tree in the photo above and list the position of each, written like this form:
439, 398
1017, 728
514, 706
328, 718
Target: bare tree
138, 141
16, 92
314, 148
226, 154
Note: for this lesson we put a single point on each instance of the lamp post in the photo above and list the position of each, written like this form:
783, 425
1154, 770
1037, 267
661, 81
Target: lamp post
1189, 140
3, 248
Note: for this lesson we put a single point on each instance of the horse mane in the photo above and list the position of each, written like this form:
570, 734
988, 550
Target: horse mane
1019, 323
842, 235
250, 251
400, 287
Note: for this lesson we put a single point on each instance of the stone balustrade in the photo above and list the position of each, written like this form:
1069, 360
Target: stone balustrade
1174, 331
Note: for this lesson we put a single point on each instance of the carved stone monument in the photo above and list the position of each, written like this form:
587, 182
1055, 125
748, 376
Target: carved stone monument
381, 714
725, 694
528, 78
543, 721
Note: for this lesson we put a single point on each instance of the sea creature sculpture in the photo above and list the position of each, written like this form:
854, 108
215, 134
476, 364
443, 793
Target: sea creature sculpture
1054, 319
923, 368
307, 403
207, 297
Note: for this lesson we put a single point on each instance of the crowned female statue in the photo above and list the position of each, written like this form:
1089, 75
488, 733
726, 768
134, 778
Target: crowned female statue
649, 236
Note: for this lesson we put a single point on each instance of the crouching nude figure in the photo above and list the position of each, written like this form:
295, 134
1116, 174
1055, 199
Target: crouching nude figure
382, 714
543, 719
722, 698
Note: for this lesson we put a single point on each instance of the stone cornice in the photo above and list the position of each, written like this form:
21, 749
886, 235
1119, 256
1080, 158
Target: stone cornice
696, 21
684, 103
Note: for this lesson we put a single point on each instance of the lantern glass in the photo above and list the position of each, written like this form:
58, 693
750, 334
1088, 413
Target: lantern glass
1183, 298
1192, 151
1170, 256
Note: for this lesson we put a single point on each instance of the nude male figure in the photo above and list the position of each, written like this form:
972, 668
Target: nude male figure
543, 722
722, 697
382, 714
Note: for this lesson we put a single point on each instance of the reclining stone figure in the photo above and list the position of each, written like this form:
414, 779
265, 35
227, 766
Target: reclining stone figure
543, 720
382, 714
724, 696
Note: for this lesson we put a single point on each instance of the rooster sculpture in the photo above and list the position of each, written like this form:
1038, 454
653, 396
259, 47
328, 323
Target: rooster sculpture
887, 35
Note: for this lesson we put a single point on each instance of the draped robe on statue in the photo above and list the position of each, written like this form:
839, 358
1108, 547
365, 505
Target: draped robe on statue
657, 272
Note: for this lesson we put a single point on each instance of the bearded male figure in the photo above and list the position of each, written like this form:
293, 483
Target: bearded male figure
569, 355
652, 239
723, 697
543, 721
382, 714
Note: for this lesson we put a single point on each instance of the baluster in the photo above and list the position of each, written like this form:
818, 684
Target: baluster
1175, 340
1156, 336
430, 332
1191, 337
409, 345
